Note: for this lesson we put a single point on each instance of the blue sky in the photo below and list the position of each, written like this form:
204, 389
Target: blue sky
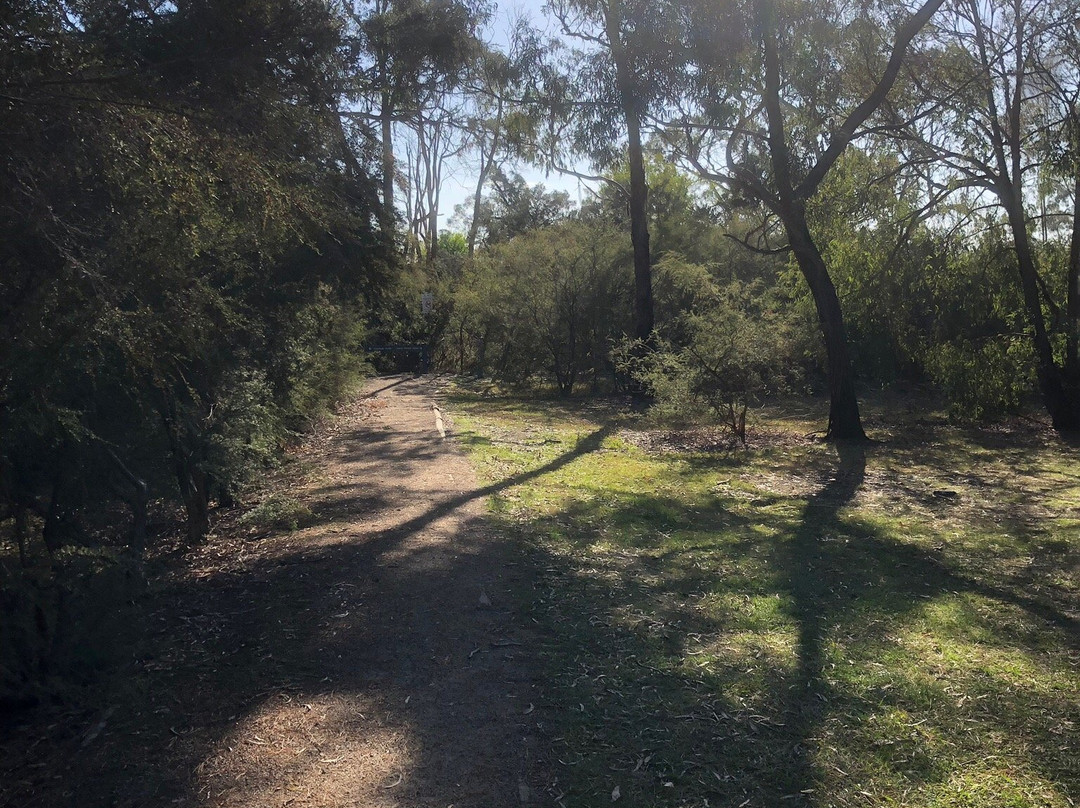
459, 185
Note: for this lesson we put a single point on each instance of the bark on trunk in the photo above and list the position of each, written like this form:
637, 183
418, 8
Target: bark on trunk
474, 223
433, 234
639, 232
196, 497
1072, 298
629, 99
193, 483
61, 527
1062, 409
845, 422
487, 162
388, 167
481, 352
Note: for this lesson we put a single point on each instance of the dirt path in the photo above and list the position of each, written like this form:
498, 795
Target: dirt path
372, 658
429, 692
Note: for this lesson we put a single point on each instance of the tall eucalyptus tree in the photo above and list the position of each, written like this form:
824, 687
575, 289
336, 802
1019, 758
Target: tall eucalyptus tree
619, 77
505, 88
980, 110
409, 54
809, 79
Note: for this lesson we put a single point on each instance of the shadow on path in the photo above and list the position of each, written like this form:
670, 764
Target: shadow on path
374, 658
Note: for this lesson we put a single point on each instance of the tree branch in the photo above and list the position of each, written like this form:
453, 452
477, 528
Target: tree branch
843, 136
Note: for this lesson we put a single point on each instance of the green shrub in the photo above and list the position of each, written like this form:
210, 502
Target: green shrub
279, 512
984, 379
732, 356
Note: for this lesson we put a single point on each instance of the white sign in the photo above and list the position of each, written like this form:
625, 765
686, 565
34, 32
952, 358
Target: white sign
427, 302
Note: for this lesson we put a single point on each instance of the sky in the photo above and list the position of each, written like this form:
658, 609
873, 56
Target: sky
459, 184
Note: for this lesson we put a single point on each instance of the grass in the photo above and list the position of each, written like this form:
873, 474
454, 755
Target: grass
791, 625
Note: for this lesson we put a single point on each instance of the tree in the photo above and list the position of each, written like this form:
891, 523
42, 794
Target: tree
505, 116
774, 130
621, 76
548, 302
514, 207
410, 54
185, 257
977, 114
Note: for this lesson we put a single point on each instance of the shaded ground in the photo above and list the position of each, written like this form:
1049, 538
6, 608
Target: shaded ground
797, 624
370, 658
784, 624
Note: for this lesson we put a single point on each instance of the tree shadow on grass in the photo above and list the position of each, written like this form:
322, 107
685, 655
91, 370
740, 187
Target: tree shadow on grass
809, 589
710, 666
845, 576
743, 656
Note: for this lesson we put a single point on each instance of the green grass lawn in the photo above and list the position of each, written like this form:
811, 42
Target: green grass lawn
793, 625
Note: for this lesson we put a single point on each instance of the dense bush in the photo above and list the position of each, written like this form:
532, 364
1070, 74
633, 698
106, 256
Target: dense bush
726, 352
546, 305
185, 265
189, 251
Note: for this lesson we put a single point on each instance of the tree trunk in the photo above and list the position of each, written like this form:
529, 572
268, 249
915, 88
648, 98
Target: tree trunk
433, 234
1072, 298
481, 352
135, 495
630, 100
1063, 411
487, 162
474, 223
138, 523
193, 491
193, 482
461, 348
639, 232
845, 422
388, 166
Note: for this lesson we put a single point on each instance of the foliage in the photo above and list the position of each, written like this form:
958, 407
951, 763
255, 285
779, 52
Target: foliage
984, 379
186, 264
545, 305
731, 355
513, 207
